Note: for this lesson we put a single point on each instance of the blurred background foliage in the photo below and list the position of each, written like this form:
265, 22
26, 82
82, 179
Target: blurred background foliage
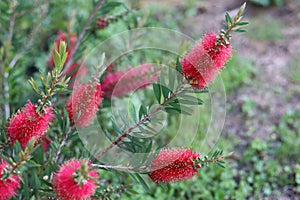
262, 127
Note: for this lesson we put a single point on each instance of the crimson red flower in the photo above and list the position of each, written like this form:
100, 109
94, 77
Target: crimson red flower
10, 185
172, 165
204, 61
27, 123
84, 103
67, 186
121, 82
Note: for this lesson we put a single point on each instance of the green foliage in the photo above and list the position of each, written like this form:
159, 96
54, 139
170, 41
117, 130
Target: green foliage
266, 3
239, 71
265, 28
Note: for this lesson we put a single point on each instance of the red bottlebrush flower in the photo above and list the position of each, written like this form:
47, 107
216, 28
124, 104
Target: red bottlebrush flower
67, 186
172, 165
121, 82
203, 62
8, 186
102, 22
27, 123
84, 103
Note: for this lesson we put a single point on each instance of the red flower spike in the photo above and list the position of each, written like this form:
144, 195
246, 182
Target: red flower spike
121, 82
84, 103
172, 165
65, 185
204, 61
27, 123
8, 186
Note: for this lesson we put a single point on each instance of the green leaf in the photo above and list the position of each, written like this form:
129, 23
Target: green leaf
142, 111
228, 18
178, 66
106, 8
171, 78
66, 125
166, 91
242, 23
172, 110
188, 98
133, 112
240, 31
115, 126
157, 92
142, 182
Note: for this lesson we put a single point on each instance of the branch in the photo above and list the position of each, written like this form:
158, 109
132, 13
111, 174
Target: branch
63, 142
142, 121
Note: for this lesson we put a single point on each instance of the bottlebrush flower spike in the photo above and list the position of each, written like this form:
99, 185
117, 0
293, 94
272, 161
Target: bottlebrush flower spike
84, 103
9, 185
75, 181
172, 165
121, 82
27, 123
204, 61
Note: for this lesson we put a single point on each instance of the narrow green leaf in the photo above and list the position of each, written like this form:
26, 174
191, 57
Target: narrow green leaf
172, 110
133, 112
115, 126
142, 111
171, 78
157, 92
228, 18
242, 23
178, 66
143, 182
240, 31
166, 91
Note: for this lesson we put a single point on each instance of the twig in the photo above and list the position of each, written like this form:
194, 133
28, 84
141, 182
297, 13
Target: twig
142, 121
81, 35
6, 73
63, 142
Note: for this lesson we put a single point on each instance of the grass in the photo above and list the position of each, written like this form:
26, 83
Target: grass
265, 28
238, 72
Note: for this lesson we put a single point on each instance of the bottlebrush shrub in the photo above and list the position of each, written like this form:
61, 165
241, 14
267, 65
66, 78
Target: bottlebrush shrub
42, 156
